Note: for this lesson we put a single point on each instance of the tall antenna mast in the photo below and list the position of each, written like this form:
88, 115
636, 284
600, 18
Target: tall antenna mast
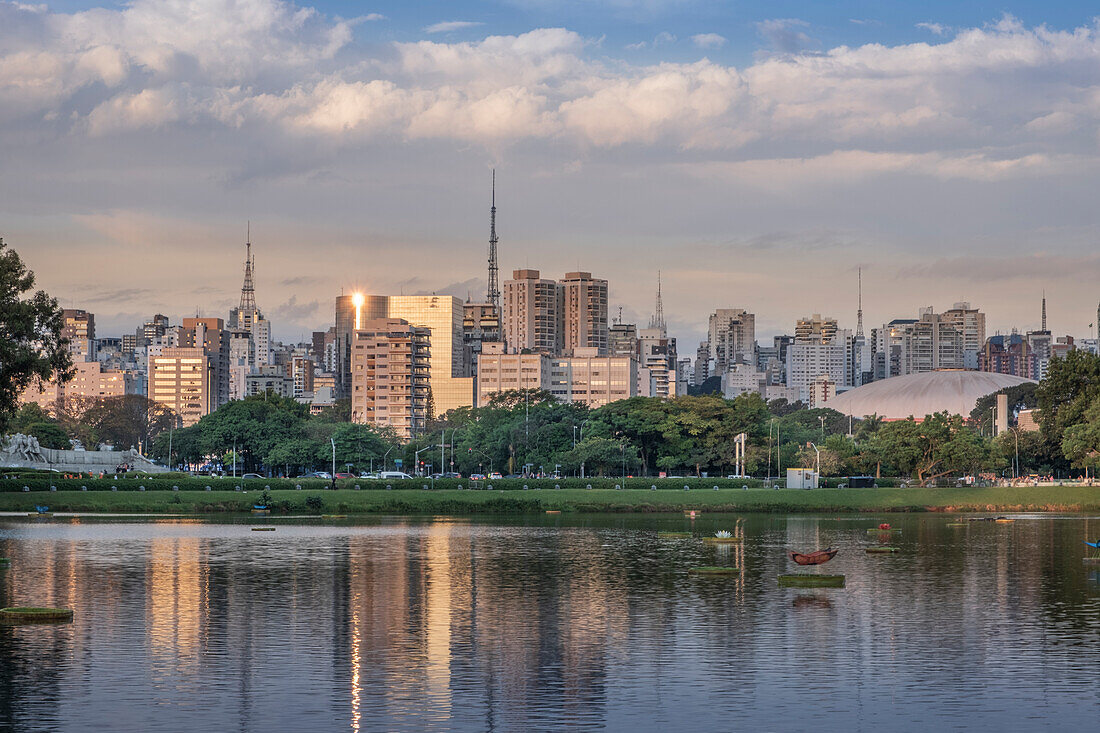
493, 296
1044, 311
859, 311
658, 312
248, 292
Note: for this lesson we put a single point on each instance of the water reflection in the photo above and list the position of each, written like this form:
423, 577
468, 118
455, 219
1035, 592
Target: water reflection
544, 624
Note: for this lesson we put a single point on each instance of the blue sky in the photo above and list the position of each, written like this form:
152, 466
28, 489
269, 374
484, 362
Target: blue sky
755, 153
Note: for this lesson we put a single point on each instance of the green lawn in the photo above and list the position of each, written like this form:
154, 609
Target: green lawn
452, 501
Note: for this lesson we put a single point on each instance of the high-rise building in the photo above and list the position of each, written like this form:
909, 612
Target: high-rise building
79, 329
151, 329
390, 382
183, 379
622, 339
532, 313
815, 329
657, 355
500, 371
1009, 354
452, 384
90, 379
731, 338
248, 318
210, 334
480, 325
810, 359
592, 378
971, 324
585, 313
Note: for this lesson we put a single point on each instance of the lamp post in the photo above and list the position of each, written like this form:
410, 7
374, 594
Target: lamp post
817, 465
333, 441
384, 464
822, 419
1016, 465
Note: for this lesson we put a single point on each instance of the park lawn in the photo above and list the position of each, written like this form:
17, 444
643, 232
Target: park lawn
452, 501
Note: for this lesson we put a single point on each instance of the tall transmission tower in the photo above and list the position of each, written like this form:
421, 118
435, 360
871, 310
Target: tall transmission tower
859, 306
493, 295
659, 311
1044, 329
248, 292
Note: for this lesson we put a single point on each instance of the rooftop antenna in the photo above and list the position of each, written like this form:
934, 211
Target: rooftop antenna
493, 296
248, 293
619, 320
658, 312
859, 311
1044, 311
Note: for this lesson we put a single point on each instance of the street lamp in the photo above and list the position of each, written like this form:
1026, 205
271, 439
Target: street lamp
1016, 466
333, 441
817, 468
384, 464
822, 419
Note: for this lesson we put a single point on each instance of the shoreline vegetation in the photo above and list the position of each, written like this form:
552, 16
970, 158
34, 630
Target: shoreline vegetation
509, 497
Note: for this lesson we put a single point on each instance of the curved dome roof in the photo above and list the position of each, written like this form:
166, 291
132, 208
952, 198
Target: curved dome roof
953, 391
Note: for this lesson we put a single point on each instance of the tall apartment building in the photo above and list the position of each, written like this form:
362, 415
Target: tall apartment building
500, 371
731, 339
269, 378
370, 308
532, 312
151, 329
390, 368
480, 325
90, 379
451, 382
931, 343
971, 324
1009, 354
183, 379
592, 378
79, 328
210, 334
656, 363
584, 377
815, 329
622, 339
808, 360
585, 313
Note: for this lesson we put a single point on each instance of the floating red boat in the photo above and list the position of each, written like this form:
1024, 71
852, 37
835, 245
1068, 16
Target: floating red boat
813, 558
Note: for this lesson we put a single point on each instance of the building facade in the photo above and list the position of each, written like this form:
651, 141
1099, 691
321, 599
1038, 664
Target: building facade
390, 382
183, 379
532, 312
585, 313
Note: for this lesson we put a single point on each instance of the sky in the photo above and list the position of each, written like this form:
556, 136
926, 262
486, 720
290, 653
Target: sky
755, 153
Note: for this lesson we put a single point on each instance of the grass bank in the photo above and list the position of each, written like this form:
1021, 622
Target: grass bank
454, 501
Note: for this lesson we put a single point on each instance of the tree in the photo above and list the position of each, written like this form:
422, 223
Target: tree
50, 435
1081, 442
128, 421
1071, 386
32, 350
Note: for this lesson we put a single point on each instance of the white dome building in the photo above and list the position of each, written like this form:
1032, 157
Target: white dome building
953, 391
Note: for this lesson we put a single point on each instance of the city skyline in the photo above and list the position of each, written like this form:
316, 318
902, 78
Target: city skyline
757, 166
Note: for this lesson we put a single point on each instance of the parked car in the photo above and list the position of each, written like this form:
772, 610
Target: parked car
452, 474
345, 475
252, 475
321, 474
393, 475
368, 475
477, 477
495, 475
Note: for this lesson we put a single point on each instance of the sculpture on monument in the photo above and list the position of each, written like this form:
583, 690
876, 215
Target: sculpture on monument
24, 446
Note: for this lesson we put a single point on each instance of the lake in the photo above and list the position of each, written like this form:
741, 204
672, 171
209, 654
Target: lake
554, 622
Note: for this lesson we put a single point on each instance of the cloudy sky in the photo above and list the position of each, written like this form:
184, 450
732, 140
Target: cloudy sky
756, 153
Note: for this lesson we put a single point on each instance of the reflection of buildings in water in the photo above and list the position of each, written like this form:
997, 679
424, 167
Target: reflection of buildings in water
176, 600
468, 625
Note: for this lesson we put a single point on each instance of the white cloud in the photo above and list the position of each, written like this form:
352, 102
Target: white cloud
371, 17
664, 38
934, 28
708, 40
448, 26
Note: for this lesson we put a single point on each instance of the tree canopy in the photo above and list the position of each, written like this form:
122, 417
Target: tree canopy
32, 350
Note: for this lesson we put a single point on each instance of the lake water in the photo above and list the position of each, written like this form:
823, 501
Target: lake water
548, 623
